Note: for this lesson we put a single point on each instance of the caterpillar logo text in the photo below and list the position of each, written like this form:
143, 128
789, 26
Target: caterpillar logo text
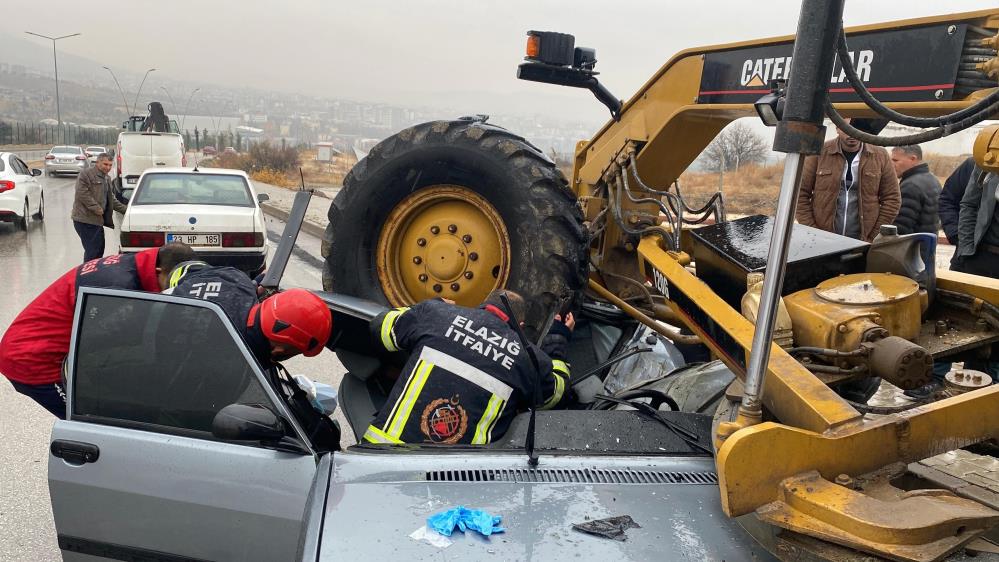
759, 72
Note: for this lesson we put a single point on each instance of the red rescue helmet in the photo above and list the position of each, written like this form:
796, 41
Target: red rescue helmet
297, 318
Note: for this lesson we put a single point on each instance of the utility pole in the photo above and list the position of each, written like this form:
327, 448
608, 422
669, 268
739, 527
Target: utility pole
55, 64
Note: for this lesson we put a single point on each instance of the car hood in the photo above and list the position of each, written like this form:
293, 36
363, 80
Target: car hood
373, 506
207, 218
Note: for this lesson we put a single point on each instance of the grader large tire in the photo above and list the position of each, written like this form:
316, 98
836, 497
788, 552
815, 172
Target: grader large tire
455, 209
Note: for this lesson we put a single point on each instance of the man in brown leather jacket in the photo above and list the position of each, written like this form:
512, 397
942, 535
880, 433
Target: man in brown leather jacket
93, 204
850, 188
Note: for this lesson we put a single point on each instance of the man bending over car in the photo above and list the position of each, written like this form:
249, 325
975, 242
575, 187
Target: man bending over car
467, 375
36, 343
279, 327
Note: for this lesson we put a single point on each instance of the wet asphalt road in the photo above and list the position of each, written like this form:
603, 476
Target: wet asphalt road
29, 262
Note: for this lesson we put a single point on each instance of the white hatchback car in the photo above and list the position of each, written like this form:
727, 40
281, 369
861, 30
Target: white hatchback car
215, 211
20, 192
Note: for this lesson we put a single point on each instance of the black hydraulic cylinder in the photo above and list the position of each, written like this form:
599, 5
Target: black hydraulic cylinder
800, 130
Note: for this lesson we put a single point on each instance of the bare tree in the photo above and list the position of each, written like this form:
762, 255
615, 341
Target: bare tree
736, 146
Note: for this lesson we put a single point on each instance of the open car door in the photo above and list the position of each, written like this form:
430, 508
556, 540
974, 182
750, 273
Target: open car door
146, 466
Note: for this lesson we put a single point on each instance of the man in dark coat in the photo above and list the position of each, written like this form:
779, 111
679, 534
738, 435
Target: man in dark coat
920, 191
93, 204
950, 198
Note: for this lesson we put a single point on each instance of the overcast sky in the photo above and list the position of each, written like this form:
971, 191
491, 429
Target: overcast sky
399, 51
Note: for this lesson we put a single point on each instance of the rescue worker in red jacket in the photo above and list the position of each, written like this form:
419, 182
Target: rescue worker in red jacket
36, 343
281, 326
467, 375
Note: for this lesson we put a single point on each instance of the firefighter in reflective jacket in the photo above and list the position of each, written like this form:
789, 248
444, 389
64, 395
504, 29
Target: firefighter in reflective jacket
467, 375
277, 328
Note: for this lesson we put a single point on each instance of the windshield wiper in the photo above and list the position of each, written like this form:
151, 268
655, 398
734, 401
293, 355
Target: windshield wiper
683, 433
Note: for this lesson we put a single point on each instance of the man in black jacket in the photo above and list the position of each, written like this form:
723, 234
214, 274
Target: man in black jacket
281, 326
920, 191
950, 199
467, 375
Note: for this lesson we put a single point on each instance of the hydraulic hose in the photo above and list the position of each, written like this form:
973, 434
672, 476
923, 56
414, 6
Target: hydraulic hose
816, 368
842, 51
674, 220
946, 124
825, 352
989, 312
677, 202
668, 237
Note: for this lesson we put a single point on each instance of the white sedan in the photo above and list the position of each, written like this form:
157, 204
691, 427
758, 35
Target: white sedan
215, 211
92, 152
20, 193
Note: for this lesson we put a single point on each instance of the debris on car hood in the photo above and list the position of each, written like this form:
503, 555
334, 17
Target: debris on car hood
610, 528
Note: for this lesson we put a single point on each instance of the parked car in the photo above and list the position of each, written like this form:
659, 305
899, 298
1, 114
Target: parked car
93, 151
178, 445
209, 151
138, 152
229, 150
20, 192
216, 211
65, 160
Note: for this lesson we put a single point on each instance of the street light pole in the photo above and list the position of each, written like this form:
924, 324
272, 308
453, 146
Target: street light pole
55, 64
186, 105
169, 95
139, 91
120, 91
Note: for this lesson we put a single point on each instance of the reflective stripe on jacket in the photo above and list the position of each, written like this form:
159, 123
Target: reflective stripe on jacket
466, 378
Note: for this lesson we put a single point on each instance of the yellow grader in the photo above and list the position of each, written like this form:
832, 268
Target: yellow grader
807, 323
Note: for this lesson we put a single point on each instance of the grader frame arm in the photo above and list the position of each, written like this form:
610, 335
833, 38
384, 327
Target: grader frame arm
820, 437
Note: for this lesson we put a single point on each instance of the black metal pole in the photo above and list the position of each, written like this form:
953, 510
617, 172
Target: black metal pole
800, 132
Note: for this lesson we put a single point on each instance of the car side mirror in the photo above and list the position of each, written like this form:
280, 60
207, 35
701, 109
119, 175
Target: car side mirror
261, 197
36, 172
247, 422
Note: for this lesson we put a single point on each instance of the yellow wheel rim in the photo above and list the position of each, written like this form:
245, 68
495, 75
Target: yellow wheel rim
442, 241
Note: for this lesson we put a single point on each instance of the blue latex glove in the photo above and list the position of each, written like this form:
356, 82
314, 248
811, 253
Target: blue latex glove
464, 518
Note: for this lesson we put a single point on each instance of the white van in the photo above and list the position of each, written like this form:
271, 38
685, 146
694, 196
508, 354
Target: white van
138, 152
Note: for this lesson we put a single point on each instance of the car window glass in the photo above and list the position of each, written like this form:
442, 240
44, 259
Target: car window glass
66, 150
2, 165
168, 364
193, 189
20, 167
